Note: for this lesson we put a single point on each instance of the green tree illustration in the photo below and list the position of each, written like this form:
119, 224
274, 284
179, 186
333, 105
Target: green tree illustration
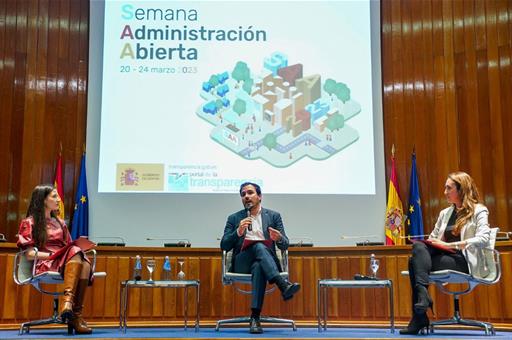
218, 104
342, 92
270, 141
247, 87
239, 106
335, 122
330, 86
241, 72
214, 81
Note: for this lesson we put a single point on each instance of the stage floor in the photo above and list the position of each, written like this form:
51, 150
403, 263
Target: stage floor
241, 333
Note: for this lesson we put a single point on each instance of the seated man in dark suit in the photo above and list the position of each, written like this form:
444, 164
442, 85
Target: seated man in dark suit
253, 233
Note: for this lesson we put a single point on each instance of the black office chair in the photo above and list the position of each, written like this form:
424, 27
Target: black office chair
230, 278
24, 273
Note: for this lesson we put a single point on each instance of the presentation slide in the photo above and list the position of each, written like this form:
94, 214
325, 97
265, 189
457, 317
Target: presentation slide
200, 96
191, 98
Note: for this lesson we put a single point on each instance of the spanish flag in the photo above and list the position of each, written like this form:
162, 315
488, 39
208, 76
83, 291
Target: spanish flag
57, 183
394, 225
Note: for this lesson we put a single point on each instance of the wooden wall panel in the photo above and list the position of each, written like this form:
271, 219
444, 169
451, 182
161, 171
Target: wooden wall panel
43, 84
446, 91
146, 306
446, 80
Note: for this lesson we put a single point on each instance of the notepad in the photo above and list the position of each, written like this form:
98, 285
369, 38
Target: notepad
437, 246
82, 242
247, 243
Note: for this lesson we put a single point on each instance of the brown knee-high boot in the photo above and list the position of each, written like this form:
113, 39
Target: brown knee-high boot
71, 276
77, 323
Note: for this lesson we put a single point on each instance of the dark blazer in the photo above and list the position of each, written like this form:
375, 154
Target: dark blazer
269, 218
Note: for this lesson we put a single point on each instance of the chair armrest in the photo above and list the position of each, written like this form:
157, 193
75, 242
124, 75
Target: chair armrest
18, 258
284, 264
95, 274
492, 259
495, 256
93, 261
225, 280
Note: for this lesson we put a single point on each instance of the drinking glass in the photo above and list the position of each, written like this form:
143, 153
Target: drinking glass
181, 273
150, 264
374, 266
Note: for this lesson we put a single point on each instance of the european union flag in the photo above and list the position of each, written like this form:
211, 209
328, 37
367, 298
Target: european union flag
415, 220
80, 223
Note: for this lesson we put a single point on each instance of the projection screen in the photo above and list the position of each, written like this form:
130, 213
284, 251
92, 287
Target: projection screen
189, 99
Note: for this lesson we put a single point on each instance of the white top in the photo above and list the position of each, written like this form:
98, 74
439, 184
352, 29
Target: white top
257, 228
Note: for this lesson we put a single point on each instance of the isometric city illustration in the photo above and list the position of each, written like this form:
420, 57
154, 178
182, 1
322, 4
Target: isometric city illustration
278, 115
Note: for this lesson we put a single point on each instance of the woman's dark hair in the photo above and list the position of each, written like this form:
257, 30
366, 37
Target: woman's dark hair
256, 186
36, 209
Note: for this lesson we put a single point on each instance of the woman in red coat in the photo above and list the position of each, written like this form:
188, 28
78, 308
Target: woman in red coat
42, 229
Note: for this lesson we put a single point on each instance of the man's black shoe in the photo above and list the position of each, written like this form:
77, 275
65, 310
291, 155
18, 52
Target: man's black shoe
290, 290
255, 326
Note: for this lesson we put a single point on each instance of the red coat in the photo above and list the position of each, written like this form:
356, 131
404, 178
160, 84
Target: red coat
58, 237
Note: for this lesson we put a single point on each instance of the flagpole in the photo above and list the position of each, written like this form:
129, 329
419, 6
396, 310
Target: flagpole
58, 184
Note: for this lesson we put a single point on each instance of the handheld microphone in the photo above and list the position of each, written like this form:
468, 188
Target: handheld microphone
248, 207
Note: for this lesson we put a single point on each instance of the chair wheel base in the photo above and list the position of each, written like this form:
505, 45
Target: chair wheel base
24, 330
488, 328
264, 319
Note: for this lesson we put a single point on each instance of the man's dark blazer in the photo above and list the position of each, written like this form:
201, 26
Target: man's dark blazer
269, 218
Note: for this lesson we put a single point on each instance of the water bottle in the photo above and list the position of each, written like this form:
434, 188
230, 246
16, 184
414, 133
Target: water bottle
374, 265
372, 261
137, 269
166, 273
